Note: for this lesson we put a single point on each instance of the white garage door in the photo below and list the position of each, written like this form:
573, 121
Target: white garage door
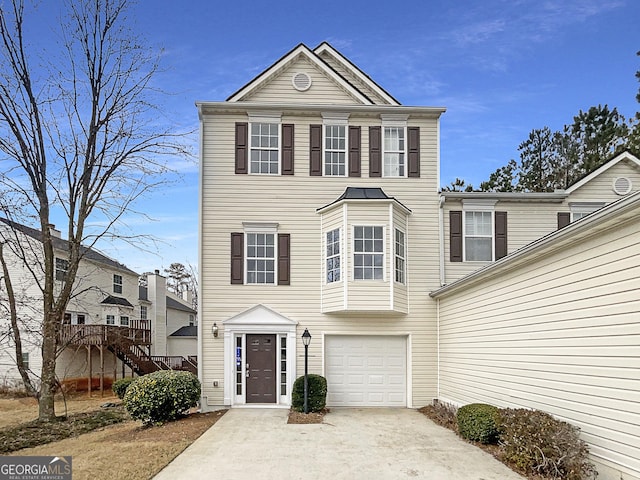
366, 371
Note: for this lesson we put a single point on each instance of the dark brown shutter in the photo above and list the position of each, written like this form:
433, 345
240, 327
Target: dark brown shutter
414, 151
564, 219
237, 258
242, 147
284, 262
501, 234
315, 150
287, 149
455, 236
375, 152
354, 151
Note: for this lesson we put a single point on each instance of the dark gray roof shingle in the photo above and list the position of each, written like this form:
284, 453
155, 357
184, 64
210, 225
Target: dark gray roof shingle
63, 245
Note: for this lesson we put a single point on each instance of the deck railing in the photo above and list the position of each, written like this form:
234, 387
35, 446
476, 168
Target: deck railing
137, 332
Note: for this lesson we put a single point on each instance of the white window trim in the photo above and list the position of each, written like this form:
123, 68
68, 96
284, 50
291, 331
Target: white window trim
395, 121
335, 119
354, 253
340, 256
403, 257
266, 228
583, 208
404, 153
265, 117
479, 206
324, 149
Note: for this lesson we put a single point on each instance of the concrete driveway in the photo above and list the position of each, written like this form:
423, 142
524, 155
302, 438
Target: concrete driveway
353, 444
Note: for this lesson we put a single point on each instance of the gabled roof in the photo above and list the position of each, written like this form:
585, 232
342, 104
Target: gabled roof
626, 155
63, 245
143, 294
303, 50
113, 300
176, 305
325, 47
186, 331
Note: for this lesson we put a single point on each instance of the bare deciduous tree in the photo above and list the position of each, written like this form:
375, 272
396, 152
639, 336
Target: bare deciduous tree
80, 135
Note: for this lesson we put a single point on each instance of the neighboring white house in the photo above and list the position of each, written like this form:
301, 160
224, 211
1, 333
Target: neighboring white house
104, 314
320, 209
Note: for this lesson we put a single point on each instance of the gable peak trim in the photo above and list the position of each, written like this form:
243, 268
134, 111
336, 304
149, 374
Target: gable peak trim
327, 47
625, 155
300, 49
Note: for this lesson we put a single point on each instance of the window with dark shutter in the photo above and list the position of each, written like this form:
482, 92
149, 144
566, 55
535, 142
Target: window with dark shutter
564, 219
501, 234
237, 258
315, 150
242, 148
414, 151
455, 236
287, 149
284, 263
375, 151
354, 151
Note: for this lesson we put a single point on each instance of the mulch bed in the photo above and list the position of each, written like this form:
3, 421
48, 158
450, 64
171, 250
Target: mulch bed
302, 418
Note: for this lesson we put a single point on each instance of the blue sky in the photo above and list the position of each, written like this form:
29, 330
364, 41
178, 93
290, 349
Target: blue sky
501, 68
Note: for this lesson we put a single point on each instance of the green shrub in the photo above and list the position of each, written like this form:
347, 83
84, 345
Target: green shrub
317, 394
162, 396
536, 443
478, 422
119, 387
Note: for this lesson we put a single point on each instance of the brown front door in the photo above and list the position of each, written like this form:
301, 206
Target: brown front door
261, 369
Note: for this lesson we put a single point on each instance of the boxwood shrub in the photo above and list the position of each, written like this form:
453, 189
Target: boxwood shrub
478, 422
162, 396
119, 387
536, 443
317, 394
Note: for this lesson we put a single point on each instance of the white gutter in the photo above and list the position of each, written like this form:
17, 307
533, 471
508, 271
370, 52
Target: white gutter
441, 239
376, 110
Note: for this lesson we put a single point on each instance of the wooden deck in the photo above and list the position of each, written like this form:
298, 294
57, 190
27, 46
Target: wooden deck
138, 333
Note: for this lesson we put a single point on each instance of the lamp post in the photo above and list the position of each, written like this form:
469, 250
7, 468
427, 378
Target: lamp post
306, 340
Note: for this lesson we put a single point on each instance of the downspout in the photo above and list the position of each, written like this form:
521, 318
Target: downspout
441, 239
438, 344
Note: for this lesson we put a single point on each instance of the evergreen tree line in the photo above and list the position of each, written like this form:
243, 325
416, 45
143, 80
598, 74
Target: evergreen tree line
554, 160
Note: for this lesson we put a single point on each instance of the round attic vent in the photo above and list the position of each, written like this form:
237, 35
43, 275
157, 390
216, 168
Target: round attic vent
301, 81
622, 185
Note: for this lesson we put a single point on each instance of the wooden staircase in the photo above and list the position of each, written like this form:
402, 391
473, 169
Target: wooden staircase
130, 344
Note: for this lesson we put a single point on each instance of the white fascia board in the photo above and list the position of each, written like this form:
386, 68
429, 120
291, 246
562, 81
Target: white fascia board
614, 161
325, 47
299, 50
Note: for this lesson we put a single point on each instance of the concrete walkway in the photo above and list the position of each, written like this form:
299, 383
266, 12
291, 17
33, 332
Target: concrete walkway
352, 444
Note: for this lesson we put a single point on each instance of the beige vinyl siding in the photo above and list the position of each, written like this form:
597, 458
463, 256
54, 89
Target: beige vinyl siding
323, 90
557, 332
600, 188
333, 293
526, 222
291, 201
354, 80
400, 291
